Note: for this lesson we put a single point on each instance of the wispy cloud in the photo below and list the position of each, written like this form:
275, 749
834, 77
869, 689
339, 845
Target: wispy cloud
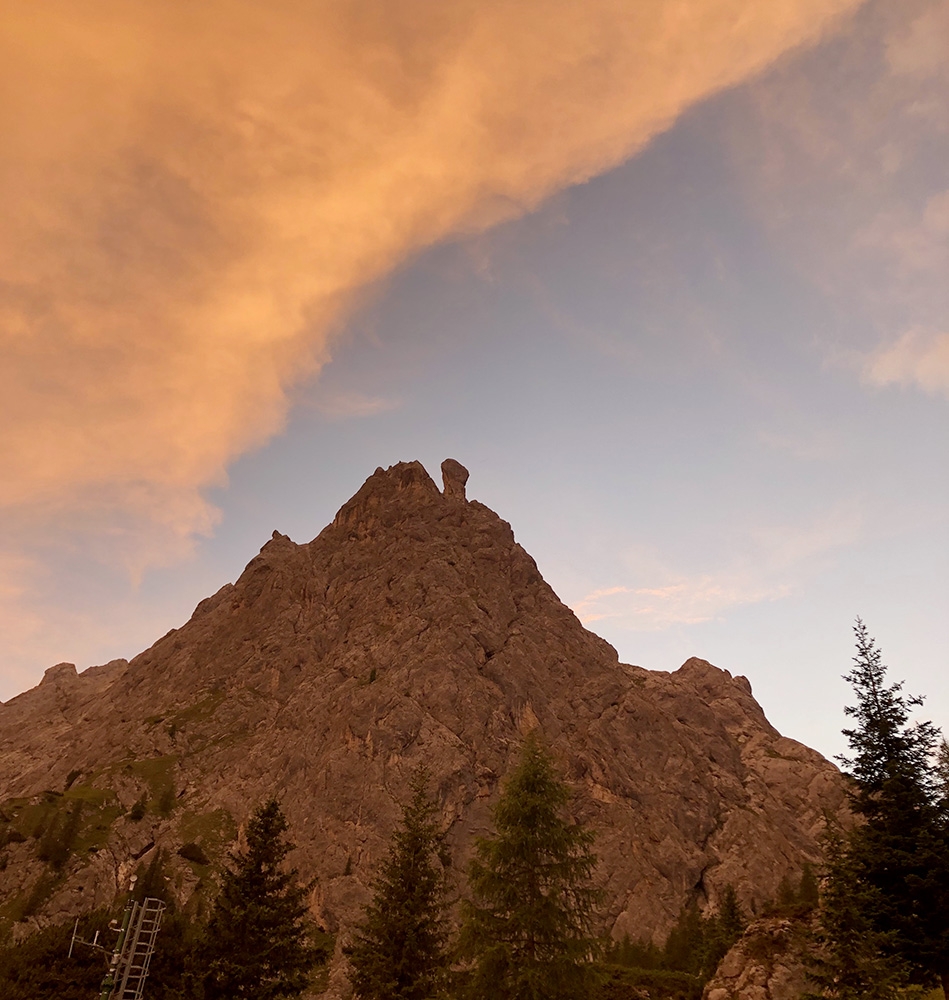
777, 559
917, 357
686, 602
806, 445
349, 405
848, 162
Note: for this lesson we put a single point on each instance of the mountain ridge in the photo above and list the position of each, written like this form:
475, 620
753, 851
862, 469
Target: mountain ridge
413, 629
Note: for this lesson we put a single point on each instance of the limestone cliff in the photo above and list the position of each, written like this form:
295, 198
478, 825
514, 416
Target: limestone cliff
412, 629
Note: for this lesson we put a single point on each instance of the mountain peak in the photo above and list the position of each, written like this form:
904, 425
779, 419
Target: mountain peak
402, 484
413, 629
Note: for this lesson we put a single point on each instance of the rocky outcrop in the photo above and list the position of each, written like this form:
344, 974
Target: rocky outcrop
454, 477
412, 629
767, 963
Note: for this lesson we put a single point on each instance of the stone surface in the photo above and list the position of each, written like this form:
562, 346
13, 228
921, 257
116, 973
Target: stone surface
454, 477
767, 963
413, 629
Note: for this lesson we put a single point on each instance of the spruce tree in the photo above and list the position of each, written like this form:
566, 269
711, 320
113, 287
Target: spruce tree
685, 946
401, 947
527, 927
891, 756
256, 946
942, 773
722, 930
896, 860
852, 960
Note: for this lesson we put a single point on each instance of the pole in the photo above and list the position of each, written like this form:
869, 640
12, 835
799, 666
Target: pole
108, 983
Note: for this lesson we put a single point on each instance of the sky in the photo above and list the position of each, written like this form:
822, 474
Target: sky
671, 278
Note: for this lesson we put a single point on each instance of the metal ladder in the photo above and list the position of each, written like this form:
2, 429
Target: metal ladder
139, 946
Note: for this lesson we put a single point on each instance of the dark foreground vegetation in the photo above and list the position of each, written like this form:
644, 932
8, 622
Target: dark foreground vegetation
879, 909
884, 916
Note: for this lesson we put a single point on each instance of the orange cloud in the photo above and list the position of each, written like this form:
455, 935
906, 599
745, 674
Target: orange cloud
779, 561
917, 357
195, 192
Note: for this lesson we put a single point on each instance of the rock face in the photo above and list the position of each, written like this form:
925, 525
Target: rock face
412, 629
767, 963
454, 476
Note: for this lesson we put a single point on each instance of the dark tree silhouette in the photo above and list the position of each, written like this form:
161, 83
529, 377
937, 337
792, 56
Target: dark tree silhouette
527, 928
894, 865
401, 947
256, 945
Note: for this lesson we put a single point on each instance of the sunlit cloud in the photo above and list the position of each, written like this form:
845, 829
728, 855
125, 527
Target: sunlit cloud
687, 602
194, 194
918, 357
342, 405
778, 559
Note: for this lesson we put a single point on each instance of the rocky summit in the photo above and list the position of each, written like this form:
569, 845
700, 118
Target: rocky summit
413, 630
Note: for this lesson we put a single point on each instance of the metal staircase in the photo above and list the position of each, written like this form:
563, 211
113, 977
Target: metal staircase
134, 949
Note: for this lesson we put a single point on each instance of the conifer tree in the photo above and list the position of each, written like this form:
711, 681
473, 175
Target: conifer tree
808, 891
401, 947
527, 927
895, 863
256, 946
942, 772
851, 961
722, 930
892, 758
685, 946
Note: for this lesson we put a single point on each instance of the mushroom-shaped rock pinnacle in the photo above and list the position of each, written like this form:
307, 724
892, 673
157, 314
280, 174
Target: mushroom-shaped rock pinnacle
454, 476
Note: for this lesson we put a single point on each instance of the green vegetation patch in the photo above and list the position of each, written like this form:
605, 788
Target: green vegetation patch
76, 822
200, 711
616, 982
96, 827
31, 817
98, 798
28, 902
158, 775
213, 831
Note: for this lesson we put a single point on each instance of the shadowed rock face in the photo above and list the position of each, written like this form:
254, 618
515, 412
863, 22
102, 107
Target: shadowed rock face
413, 629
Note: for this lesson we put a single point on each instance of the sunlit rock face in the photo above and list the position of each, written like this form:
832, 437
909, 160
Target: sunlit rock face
769, 962
413, 630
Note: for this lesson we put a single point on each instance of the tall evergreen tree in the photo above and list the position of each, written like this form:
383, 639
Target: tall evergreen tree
942, 771
896, 861
685, 946
256, 946
892, 758
722, 930
527, 928
852, 960
401, 947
